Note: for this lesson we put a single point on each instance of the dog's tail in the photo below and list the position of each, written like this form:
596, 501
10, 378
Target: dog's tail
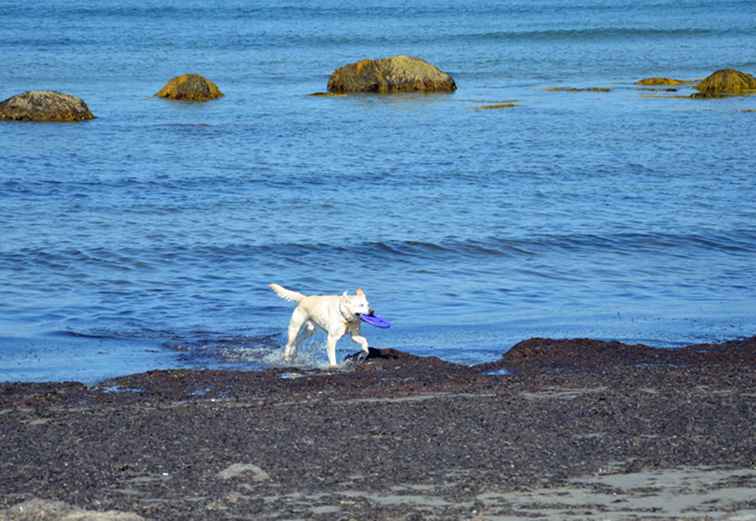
286, 294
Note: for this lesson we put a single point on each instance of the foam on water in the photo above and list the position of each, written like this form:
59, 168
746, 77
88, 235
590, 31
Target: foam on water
310, 355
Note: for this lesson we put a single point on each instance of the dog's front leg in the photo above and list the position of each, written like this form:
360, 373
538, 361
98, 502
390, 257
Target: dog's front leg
333, 337
362, 341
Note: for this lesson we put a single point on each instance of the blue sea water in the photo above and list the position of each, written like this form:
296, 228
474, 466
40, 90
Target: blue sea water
146, 237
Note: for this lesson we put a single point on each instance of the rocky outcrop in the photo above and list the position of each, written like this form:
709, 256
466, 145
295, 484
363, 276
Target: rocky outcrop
726, 82
43, 105
389, 76
190, 87
657, 81
539, 353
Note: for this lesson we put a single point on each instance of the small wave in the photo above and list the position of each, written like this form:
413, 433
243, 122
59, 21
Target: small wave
329, 40
54, 259
44, 43
129, 258
265, 12
742, 241
113, 334
598, 33
335, 39
349, 10
82, 334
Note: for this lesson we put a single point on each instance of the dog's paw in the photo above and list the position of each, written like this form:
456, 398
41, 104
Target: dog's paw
356, 358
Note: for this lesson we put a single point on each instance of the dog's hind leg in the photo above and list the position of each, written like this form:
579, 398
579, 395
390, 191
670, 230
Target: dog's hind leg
308, 329
298, 318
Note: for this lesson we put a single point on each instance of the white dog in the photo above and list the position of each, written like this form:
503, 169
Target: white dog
335, 314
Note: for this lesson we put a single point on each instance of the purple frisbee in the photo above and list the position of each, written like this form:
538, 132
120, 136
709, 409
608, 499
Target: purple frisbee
376, 320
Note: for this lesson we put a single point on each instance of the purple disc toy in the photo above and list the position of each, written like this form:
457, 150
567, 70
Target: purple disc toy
376, 320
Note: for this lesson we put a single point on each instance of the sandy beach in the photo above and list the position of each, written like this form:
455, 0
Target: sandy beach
554, 430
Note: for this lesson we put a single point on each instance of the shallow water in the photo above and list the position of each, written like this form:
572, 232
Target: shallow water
146, 237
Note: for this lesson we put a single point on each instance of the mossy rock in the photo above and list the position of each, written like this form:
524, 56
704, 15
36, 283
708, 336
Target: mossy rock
726, 82
392, 75
44, 105
190, 87
657, 81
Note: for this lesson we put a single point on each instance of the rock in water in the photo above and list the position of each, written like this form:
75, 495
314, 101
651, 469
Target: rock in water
389, 76
44, 105
190, 87
497, 106
578, 89
658, 81
726, 82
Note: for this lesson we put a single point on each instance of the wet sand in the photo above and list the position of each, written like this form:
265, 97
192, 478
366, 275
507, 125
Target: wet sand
573, 429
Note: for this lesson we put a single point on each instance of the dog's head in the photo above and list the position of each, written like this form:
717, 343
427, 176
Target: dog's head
357, 304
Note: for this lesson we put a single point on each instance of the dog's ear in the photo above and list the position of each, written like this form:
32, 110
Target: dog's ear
360, 292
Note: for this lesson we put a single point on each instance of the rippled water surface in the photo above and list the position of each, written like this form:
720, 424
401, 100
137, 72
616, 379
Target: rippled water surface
146, 237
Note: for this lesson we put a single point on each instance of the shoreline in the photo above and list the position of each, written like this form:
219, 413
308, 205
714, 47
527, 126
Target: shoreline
64, 356
597, 430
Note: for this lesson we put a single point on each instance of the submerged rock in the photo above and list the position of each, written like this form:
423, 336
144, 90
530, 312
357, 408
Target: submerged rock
498, 106
659, 81
44, 105
578, 89
726, 82
190, 87
390, 75
327, 94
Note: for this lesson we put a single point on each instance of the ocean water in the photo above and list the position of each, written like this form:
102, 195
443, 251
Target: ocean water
146, 238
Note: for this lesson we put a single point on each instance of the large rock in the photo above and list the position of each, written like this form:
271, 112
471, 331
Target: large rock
44, 105
726, 82
190, 87
390, 75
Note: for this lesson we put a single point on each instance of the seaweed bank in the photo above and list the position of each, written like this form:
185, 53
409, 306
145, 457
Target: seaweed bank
555, 428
